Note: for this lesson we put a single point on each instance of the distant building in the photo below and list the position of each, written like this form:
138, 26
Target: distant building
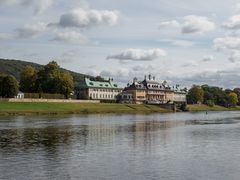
98, 90
20, 95
138, 91
125, 97
152, 92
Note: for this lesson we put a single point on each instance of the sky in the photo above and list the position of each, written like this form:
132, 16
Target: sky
184, 42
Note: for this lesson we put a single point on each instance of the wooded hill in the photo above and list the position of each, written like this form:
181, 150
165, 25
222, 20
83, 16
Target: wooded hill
15, 67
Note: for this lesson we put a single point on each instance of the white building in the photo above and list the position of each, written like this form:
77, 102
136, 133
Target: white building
99, 90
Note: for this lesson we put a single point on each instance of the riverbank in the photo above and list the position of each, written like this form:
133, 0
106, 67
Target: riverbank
202, 107
45, 108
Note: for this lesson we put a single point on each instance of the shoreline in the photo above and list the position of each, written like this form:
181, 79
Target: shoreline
202, 107
50, 108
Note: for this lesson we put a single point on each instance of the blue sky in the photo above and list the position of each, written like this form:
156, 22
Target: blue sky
185, 42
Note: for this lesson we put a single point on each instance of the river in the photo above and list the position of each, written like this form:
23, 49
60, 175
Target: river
174, 146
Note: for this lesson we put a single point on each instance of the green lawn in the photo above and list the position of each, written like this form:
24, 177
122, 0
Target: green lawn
24, 108
203, 107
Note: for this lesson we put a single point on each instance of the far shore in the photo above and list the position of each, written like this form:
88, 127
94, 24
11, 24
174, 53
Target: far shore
50, 108
202, 107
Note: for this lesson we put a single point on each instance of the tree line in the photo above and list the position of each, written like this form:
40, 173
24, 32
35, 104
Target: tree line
49, 79
211, 95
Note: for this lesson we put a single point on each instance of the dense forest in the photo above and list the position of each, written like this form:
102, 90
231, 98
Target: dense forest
212, 95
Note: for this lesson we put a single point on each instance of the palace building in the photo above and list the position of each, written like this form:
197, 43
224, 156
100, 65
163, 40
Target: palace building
152, 92
98, 90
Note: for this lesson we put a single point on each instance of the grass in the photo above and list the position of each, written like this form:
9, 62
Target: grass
202, 107
26, 108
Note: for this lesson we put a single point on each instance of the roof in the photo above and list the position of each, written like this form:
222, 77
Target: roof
136, 85
100, 84
150, 82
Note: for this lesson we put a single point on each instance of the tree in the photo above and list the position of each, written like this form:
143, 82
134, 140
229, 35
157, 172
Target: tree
28, 79
8, 86
48, 78
237, 91
51, 79
232, 99
66, 84
195, 95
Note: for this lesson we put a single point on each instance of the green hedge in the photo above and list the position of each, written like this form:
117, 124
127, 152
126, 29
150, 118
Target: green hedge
43, 95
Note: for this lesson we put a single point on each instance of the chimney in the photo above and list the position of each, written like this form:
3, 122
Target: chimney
134, 80
149, 77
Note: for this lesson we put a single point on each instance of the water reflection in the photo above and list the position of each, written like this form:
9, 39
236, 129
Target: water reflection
121, 147
52, 137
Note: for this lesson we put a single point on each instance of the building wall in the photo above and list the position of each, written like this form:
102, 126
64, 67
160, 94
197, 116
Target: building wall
179, 97
103, 94
140, 95
169, 96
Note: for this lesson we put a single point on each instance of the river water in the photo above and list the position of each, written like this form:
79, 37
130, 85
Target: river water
180, 146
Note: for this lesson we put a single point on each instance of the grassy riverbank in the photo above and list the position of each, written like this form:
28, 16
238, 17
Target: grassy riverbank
203, 107
25, 108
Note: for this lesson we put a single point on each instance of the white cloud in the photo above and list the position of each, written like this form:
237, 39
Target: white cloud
70, 36
38, 5
191, 24
169, 24
207, 58
227, 43
233, 23
138, 54
29, 31
235, 56
88, 17
196, 24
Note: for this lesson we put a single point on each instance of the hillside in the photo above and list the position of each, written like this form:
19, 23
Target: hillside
15, 67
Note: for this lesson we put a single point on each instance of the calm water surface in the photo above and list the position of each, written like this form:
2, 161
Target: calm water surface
181, 146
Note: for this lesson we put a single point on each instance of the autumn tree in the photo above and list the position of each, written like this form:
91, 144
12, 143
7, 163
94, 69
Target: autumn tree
28, 79
66, 84
232, 99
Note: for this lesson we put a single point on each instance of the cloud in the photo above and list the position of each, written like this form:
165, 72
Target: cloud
70, 36
38, 5
233, 23
82, 18
138, 54
190, 64
235, 56
227, 78
196, 24
227, 43
191, 24
207, 58
169, 24
6, 36
29, 31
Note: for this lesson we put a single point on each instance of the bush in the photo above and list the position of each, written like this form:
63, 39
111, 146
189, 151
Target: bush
43, 96
210, 103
